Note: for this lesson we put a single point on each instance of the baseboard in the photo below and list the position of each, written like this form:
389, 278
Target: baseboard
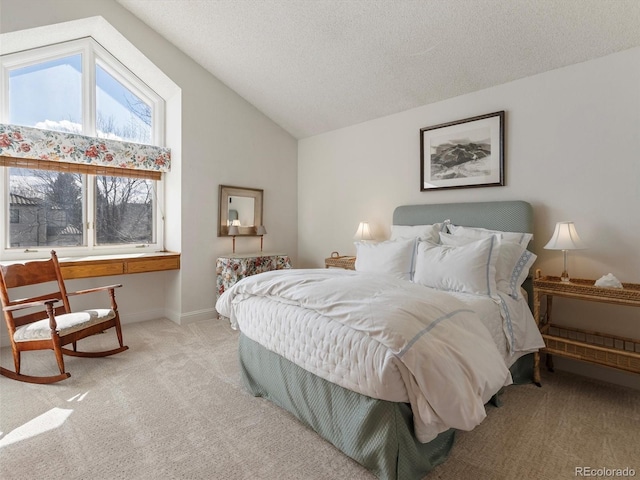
141, 316
175, 317
196, 316
597, 372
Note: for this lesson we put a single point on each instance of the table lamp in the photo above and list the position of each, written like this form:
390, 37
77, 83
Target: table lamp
233, 231
363, 233
565, 238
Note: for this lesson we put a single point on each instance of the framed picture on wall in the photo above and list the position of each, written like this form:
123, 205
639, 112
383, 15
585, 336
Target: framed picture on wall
461, 154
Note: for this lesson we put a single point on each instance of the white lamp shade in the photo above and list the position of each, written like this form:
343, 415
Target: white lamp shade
234, 230
261, 230
565, 237
363, 232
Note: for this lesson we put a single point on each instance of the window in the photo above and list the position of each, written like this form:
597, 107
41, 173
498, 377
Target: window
79, 87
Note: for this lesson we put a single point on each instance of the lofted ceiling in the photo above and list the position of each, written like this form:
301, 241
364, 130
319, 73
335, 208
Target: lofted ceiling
317, 65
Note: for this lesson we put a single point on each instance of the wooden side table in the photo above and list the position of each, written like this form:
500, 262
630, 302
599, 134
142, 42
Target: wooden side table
595, 347
338, 261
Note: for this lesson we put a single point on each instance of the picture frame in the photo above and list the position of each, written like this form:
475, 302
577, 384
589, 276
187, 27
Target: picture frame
463, 154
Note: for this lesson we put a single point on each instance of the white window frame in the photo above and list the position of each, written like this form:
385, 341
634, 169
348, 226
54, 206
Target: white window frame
92, 54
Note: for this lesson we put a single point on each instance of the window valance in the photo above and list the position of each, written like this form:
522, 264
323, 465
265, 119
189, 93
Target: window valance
71, 148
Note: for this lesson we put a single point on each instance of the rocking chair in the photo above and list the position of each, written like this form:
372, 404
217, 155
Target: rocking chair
50, 327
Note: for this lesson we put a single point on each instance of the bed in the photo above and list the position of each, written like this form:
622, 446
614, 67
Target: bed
374, 400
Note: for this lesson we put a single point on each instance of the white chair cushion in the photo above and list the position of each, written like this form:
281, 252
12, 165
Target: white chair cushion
67, 323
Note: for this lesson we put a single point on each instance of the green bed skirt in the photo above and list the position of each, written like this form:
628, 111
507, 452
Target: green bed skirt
522, 370
377, 434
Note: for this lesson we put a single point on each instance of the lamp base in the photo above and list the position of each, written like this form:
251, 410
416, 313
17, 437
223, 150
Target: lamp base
565, 275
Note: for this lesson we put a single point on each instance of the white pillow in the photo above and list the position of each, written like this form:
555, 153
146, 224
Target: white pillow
477, 233
512, 266
469, 268
394, 257
421, 232
512, 269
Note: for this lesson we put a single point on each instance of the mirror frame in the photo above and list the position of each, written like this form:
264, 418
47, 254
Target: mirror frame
227, 191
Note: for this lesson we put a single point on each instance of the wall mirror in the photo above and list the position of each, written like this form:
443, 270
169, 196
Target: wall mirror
241, 207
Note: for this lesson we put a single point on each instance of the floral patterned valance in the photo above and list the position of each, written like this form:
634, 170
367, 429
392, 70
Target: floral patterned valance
34, 143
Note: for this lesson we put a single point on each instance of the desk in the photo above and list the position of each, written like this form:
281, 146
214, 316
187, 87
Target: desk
234, 267
122, 264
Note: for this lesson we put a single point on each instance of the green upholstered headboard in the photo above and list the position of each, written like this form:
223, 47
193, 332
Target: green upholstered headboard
508, 216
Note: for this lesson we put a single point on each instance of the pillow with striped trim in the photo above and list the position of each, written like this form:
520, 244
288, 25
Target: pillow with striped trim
469, 268
513, 264
394, 257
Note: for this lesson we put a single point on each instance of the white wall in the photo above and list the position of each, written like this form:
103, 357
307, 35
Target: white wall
572, 150
224, 140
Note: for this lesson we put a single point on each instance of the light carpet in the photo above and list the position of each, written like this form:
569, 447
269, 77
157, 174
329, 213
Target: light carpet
173, 407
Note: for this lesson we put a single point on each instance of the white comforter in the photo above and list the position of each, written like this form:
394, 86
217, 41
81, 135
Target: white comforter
403, 341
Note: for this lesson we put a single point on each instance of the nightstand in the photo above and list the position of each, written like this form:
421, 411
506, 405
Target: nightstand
338, 261
588, 346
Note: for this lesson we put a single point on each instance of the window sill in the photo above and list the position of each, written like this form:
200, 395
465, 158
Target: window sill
124, 264
104, 265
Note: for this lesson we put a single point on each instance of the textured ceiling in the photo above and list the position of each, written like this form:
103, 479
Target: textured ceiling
318, 65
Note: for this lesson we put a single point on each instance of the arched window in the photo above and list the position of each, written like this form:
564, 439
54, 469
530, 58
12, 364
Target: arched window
77, 87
